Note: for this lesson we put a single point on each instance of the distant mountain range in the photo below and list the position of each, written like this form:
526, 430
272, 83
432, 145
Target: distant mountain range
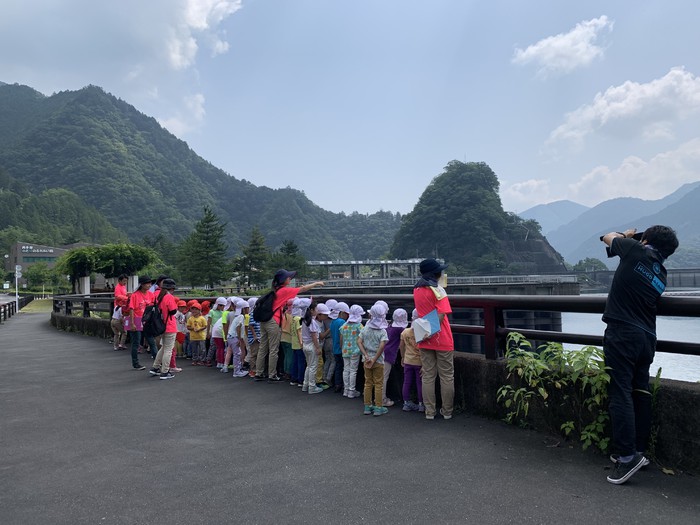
574, 230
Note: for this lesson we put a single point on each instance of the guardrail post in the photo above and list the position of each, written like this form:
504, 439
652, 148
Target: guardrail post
86, 309
493, 344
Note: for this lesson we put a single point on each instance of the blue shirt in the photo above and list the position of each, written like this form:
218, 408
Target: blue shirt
335, 335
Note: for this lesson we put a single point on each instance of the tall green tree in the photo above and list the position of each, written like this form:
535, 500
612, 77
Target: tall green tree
202, 255
253, 264
113, 260
77, 263
288, 257
38, 274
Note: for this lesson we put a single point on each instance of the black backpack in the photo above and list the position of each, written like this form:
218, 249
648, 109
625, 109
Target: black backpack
153, 323
263, 307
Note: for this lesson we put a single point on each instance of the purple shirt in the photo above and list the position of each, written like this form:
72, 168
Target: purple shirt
391, 349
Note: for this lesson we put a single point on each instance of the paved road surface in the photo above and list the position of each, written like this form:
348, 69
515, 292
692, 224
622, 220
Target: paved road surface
85, 439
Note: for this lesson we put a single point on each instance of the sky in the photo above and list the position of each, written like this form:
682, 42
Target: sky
362, 103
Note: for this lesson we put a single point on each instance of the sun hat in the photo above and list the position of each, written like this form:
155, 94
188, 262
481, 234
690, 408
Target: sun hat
399, 318
251, 302
300, 305
414, 315
281, 276
196, 305
181, 303
342, 307
431, 266
384, 305
332, 306
144, 279
356, 313
321, 308
221, 301
240, 305
377, 316
168, 284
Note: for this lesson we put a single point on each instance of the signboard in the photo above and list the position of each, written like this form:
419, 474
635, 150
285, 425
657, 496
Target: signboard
6, 286
18, 274
18, 267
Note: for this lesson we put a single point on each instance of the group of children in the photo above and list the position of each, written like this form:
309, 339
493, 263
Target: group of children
322, 345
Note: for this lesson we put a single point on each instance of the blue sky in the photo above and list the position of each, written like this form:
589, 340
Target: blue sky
361, 103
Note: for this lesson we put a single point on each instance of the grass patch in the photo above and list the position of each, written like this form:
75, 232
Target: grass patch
40, 306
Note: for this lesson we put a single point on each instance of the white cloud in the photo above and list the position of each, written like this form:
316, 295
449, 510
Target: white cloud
565, 52
636, 177
188, 118
521, 195
648, 110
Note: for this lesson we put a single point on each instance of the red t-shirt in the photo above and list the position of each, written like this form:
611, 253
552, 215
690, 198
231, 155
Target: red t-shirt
139, 301
120, 292
167, 304
426, 302
281, 297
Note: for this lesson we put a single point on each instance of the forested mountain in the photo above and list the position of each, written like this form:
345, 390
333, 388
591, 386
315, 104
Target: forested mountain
554, 214
459, 217
579, 239
119, 167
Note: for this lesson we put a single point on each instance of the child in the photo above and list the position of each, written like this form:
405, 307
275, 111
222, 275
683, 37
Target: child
253, 331
197, 325
310, 330
215, 347
236, 339
181, 321
326, 364
117, 324
349, 333
342, 311
299, 307
410, 357
217, 338
391, 350
371, 342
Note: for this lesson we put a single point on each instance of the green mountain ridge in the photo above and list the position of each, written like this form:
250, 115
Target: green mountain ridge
144, 181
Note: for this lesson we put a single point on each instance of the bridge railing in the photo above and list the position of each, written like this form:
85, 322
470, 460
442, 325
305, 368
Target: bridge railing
494, 329
8, 309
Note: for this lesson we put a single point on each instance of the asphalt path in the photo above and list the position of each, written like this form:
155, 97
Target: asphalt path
86, 439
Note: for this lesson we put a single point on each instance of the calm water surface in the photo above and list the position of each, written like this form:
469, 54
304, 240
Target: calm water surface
673, 366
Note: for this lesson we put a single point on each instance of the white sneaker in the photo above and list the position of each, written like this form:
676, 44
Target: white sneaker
315, 390
240, 373
223, 370
345, 393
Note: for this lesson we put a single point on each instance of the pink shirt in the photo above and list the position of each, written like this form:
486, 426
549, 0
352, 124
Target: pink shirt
167, 304
426, 302
281, 297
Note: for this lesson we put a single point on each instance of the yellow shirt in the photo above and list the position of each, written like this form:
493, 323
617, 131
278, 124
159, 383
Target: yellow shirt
197, 327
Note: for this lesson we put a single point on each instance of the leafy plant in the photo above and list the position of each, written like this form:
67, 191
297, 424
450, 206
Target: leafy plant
561, 382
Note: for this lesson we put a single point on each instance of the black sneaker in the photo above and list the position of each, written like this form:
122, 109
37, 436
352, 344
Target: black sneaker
167, 375
274, 379
624, 471
259, 378
154, 372
615, 458
139, 367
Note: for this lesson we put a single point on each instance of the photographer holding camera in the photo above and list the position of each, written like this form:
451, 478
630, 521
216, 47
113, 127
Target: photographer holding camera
630, 339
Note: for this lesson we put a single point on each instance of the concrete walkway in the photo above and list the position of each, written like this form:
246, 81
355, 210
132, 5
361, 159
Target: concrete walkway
85, 439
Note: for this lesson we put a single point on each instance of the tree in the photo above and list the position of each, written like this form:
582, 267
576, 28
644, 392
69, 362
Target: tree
589, 264
76, 263
112, 260
288, 257
255, 258
202, 255
38, 274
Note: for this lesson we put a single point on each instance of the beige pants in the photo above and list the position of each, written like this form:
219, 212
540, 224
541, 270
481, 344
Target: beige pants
438, 363
374, 380
270, 334
165, 353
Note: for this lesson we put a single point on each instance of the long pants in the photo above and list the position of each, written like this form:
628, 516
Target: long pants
328, 364
338, 371
411, 377
319, 368
311, 365
286, 349
629, 351
233, 349
151, 342
199, 350
220, 349
374, 380
387, 371
119, 332
436, 362
270, 333
165, 353
298, 366
350, 365
135, 343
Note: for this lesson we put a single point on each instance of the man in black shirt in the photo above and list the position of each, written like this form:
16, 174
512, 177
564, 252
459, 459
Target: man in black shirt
630, 339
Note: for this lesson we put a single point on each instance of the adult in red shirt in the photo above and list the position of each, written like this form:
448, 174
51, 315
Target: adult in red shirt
271, 331
168, 307
138, 302
436, 351
120, 292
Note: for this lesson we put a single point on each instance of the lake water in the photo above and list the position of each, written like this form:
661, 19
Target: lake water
673, 366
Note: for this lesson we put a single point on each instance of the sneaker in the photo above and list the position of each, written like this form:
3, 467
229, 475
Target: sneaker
430, 417
624, 471
208, 363
443, 414
353, 394
408, 406
368, 410
240, 373
167, 375
115, 348
294, 383
154, 371
223, 370
380, 411
345, 393
304, 388
252, 373
388, 402
323, 386
258, 378
421, 407
315, 390
176, 369
139, 367
615, 458
274, 379
193, 363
